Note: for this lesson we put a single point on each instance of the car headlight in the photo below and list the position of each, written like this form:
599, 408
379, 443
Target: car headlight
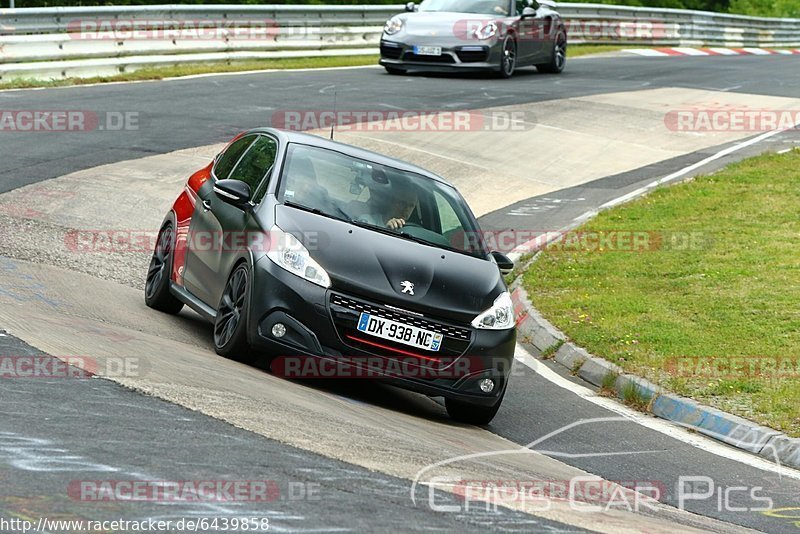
499, 317
287, 252
486, 32
393, 25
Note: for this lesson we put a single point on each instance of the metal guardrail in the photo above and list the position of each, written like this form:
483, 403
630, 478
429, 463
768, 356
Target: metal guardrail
78, 41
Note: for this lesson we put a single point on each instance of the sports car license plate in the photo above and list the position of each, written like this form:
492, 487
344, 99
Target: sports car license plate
399, 332
428, 50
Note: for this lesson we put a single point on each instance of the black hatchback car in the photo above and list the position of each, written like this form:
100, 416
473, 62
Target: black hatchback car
311, 251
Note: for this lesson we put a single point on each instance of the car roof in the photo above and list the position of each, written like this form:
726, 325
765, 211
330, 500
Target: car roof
350, 150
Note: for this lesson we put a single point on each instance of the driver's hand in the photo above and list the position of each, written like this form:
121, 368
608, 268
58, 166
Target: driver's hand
395, 224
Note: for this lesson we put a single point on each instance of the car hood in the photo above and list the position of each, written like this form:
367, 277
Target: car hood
445, 24
373, 265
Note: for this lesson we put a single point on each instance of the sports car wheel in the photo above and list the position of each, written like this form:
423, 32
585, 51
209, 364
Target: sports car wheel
156, 288
508, 61
559, 58
230, 335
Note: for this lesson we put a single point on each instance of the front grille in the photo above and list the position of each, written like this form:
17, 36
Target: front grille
391, 50
444, 58
388, 313
473, 56
345, 312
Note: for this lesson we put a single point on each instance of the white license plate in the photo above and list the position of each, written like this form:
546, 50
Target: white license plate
399, 332
428, 50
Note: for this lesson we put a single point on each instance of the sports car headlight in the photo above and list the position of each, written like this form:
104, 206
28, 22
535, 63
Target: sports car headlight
288, 252
486, 32
499, 317
393, 25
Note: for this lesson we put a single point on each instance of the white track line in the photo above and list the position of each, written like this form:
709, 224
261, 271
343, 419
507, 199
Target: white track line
195, 76
686, 170
667, 428
534, 244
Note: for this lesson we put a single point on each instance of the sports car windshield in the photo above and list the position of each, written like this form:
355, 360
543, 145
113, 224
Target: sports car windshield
382, 198
481, 7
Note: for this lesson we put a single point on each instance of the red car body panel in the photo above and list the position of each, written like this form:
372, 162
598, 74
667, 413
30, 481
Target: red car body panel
184, 209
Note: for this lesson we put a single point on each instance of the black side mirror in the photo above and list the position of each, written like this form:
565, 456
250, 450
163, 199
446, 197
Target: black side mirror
411, 7
234, 192
504, 263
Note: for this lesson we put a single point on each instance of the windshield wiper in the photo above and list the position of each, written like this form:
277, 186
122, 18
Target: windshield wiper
404, 235
302, 207
317, 211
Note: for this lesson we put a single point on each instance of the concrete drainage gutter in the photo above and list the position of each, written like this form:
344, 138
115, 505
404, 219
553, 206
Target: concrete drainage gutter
731, 429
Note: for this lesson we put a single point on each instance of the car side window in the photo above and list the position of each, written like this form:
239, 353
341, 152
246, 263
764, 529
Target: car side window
255, 164
231, 157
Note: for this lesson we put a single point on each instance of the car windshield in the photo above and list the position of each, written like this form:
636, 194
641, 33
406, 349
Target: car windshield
386, 199
482, 7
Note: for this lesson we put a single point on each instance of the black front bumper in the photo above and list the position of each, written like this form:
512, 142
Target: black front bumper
320, 324
455, 58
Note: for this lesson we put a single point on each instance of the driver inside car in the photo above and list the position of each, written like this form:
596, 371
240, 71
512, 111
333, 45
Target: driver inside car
400, 209
390, 209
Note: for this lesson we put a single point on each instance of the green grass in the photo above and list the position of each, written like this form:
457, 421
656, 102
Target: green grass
732, 292
158, 73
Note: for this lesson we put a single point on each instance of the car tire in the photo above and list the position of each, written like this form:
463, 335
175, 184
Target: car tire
558, 59
472, 414
156, 287
394, 70
508, 58
230, 325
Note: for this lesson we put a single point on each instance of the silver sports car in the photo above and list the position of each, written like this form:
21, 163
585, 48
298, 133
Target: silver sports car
456, 35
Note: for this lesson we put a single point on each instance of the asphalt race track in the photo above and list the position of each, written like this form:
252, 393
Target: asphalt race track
343, 455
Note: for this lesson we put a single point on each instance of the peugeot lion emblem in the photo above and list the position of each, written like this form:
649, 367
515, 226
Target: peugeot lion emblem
408, 287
